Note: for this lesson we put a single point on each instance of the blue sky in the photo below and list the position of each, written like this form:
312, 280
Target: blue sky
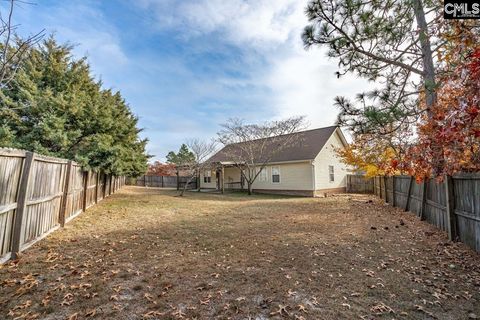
187, 66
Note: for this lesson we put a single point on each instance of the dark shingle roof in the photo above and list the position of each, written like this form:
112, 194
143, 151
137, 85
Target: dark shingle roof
306, 148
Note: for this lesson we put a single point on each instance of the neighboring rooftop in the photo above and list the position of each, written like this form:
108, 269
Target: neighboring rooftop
309, 144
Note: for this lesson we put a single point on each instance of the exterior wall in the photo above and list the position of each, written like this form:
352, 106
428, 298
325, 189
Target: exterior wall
327, 157
212, 184
296, 176
293, 176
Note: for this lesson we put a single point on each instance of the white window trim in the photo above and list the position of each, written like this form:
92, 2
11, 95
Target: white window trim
265, 176
330, 174
207, 174
279, 174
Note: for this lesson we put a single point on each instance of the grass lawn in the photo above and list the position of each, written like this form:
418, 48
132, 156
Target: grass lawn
147, 254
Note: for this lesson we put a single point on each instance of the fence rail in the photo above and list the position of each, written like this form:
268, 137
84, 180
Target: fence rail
452, 205
38, 194
162, 182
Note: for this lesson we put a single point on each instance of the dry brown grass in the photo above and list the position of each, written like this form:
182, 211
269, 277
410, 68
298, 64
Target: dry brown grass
145, 253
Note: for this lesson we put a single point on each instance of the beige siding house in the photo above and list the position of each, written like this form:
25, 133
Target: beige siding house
308, 168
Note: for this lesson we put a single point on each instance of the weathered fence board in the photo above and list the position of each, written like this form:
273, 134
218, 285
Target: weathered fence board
359, 184
452, 205
38, 194
10, 170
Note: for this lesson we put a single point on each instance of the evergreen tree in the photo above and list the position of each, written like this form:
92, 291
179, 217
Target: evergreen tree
183, 157
388, 42
53, 106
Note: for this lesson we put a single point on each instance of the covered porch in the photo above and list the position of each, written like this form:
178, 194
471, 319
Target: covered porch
228, 177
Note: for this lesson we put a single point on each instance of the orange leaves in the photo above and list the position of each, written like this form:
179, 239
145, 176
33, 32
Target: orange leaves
372, 156
449, 136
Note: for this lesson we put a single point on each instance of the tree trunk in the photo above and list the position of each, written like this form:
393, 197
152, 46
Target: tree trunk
198, 182
428, 67
250, 187
186, 186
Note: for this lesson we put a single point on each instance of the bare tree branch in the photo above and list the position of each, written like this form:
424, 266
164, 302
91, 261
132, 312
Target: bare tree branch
202, 150
13, 47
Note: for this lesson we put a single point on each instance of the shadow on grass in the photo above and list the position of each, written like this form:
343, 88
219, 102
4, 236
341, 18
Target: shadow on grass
213, 195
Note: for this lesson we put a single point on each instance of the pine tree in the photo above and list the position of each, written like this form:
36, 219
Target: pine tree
387, 42
183, 157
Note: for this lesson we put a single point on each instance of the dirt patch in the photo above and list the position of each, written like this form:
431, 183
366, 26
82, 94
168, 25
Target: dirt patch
147, 254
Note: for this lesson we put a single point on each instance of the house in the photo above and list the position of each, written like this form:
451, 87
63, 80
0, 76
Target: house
308, 167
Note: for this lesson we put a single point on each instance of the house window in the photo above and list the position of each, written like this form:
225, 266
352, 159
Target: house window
262, 176
331, 173
276, 174
207, 176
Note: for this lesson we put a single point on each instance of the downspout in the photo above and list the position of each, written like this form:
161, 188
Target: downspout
313, 176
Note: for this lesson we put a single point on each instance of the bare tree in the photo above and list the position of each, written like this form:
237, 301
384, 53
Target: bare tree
202, 150
13, 47
251, 146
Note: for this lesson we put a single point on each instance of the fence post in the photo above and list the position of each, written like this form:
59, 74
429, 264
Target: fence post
407, 202
450, 205
386, 188
63, 208
96, 187
163, 184
178, 181
380, 184
424, 199
104, 188
21, 203
393, 191
85, 189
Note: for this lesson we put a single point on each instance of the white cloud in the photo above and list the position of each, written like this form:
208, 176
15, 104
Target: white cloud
300, 82
258, 23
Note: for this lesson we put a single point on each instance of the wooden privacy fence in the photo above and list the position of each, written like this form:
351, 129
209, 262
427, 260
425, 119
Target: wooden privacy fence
452, 205
162, 182
359, 184
38, 194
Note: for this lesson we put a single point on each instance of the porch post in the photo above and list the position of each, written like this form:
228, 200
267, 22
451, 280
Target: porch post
223, 179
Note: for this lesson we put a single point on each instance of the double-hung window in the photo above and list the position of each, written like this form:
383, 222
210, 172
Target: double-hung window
331, 173
207, 176
276, 174
262, 176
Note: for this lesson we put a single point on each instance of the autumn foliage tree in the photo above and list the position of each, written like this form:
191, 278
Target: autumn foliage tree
449, 139
161, 169
372, 156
